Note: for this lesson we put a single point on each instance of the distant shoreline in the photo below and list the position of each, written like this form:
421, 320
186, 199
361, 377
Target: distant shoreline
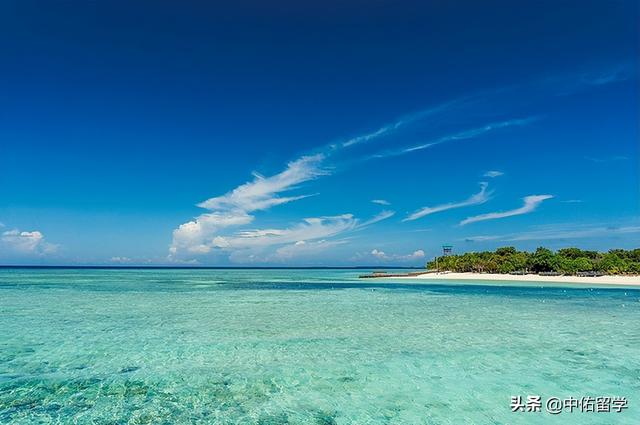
600, 280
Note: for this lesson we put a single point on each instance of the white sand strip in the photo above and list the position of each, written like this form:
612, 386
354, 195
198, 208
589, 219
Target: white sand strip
600, 280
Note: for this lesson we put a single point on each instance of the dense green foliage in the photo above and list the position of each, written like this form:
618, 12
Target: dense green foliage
565, 261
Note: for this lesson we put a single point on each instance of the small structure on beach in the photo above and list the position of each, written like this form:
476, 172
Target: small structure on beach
385, 274
589, 274
446, 250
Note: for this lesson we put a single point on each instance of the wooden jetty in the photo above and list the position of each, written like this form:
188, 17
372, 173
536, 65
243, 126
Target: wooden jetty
385, 274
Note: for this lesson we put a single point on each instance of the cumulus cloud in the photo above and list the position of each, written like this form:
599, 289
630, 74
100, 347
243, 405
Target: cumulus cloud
29, 243
493, 173
530, 204
195, 236
381, 255
476, 199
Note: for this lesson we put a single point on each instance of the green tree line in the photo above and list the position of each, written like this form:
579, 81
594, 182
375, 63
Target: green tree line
565, 261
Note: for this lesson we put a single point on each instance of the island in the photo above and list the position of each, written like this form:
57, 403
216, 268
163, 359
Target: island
567, 265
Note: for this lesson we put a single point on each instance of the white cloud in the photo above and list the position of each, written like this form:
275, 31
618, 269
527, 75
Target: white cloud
600, 78
378, 254
417, 254
303, 249
209, 231
575, 233
195, 236
120, 260
493, 173
560, 232
373, 135
482, 238
530, 204
378, 217
206, 233
605, 159
381, 255
380, 202
476, 199
391, 128
31, 243
257, 245
261, 193
475, 132
232, 209
463, 135
309, 229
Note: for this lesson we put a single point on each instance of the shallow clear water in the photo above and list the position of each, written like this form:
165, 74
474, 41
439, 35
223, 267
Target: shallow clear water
305, 347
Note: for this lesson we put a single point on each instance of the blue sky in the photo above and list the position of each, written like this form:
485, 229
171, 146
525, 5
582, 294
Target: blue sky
334, 133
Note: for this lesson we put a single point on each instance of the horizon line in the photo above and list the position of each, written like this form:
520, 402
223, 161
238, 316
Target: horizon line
206, 267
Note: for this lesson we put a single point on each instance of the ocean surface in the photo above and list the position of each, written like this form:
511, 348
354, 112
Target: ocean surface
110, 346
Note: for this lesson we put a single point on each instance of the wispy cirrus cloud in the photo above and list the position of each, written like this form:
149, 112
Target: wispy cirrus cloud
602, 77
380, 202
567, 231
462, 135
565, 83
304, 249
530, 204
262, 192
213, 229
389, 129
309, 229
493, 174
476, 199
613, 158
577, 81
383, 215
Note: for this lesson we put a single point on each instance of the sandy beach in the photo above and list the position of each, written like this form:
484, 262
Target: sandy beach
600, 280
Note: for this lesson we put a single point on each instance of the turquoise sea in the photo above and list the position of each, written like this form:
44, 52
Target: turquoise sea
149, 346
